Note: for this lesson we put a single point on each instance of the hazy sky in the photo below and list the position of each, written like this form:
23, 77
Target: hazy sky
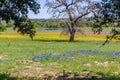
43, 11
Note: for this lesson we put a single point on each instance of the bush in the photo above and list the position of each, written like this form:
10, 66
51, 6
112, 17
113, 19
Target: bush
2, 28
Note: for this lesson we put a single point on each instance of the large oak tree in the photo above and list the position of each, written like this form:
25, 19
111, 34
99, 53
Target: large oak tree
17, 11
73, 10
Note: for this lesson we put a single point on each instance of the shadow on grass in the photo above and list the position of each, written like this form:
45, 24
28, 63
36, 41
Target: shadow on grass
55, 40
92, 78
47, 40
67, 76
7, 77
85, 76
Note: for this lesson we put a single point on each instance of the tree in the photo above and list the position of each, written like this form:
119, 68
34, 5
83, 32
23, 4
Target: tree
74, 10
35, 24
112, 16
62, 24
109, 14
2, 26
51, 23
17, 11
10, 24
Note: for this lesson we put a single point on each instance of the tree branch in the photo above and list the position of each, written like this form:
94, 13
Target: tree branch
88, 11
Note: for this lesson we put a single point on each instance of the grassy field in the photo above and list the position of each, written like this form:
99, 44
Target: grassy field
24, 59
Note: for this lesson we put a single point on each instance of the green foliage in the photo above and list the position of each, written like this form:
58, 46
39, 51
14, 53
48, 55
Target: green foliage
25, 26
17, 11
35, 24
63, 24
109, 15
2, 28
51, 24
89, 23
112, 15
41, 24
10, 24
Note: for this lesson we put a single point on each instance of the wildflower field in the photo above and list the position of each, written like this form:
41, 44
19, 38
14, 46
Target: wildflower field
56, 35
51, 57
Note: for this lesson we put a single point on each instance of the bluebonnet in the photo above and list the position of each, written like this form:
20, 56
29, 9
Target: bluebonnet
116, 53
42, 56
70, 54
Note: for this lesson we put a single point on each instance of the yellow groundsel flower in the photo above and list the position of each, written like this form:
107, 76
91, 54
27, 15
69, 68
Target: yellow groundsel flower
57, 35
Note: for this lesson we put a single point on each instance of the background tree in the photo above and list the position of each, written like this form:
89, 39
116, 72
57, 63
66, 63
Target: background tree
17, 11
10, 24
35, 24
62, 24
2, 26
71, 9
109, 14
50, 23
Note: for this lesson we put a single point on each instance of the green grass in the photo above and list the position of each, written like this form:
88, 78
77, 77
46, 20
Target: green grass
16, 58
13, 51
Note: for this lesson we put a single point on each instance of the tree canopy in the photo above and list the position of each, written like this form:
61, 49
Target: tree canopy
17, 11
109, 14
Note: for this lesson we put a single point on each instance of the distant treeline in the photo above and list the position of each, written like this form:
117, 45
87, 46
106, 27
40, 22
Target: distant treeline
50, 23
59, 23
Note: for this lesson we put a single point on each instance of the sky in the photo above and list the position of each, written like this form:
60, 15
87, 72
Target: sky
43, 12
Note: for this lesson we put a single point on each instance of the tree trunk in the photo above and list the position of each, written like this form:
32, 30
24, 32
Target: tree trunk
72, 35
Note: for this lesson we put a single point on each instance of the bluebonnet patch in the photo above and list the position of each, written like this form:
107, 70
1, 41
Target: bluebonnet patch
70, 54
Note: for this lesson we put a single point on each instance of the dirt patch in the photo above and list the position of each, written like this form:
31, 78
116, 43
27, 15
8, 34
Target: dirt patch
32, 63
23, 74
105, 64
3, 57
54, 64
69, 75
86, 75
116, 73
88, 65
47, 75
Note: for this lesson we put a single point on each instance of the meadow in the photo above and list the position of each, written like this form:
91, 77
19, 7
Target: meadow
51, 57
